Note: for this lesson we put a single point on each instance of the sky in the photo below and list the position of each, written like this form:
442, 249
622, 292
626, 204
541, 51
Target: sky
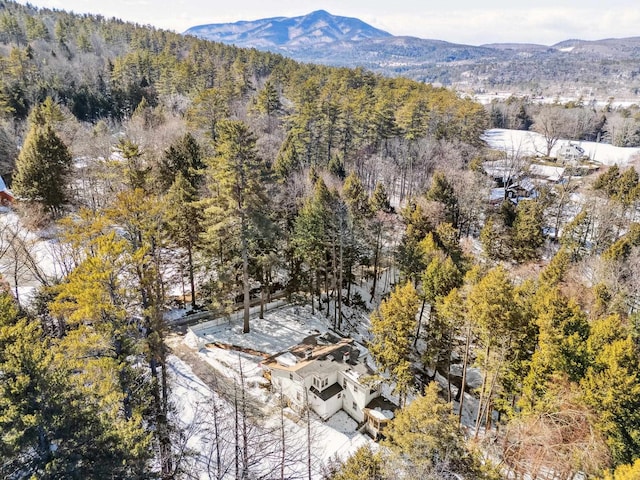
472, 22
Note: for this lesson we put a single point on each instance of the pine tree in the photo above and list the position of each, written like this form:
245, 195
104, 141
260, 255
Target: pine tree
492, 308
439, 278
355, 196
380, 199
527, 236
362, 465
309, 236
393, 327
268, 100
209, 108
184, 219
612, 388
426, 435
561, 346
183, 157
625, 472
237, 207
42, 169
56, 415
442, 191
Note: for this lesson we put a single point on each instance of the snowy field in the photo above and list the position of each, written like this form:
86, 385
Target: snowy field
487, 98
531, 143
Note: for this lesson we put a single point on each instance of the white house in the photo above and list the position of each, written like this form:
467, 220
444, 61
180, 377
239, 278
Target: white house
329, 374
570, 153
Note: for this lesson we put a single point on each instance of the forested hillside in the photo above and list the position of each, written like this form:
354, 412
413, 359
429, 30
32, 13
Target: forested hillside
166, 169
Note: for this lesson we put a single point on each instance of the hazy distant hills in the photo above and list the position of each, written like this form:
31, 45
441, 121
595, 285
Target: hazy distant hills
610, 65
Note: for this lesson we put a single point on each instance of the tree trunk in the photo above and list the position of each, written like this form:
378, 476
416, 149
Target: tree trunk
282, 437
306, 399
340, 284
216, 431
334, 268
415, 340
245, 277
236, 429
464, 373
245, 436
262, 300
311, 292
192, 282
375, 264
482, 392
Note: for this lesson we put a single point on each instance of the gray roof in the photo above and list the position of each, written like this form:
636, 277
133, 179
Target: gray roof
328, 392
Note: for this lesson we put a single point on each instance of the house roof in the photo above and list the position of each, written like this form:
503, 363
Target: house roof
381, 408
328, 392
324, 353
571, 148
548, 172
313, 348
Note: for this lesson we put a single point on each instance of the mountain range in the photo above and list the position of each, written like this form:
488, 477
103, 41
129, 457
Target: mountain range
609, 66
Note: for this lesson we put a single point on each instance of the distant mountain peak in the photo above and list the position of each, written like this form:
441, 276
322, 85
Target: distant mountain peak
283, 33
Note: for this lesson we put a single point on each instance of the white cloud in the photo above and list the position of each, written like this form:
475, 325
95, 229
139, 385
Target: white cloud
542, 25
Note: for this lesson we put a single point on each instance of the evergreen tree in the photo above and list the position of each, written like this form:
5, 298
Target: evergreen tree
55, 415
209, 107
612, 388
184, 220
442, 191
268, 100
362, 465
393, 327
561, 347
380, 199
625, 472
42, 169
309, 236
426, 434
494, 312
182, 157
355, 196
527, 237
236, 209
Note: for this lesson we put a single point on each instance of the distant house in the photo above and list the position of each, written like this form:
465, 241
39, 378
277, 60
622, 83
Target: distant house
330, 374
500, 172
6, 197
546, 173
570, 153
524, 188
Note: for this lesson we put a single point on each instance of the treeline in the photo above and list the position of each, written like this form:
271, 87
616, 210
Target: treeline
574, 120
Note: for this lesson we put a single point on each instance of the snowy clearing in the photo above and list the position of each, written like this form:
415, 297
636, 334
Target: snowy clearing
531, 143
278, 330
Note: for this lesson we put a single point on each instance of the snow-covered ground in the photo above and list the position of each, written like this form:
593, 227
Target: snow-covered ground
531, 143
278, 330
26, 257
193, 399
281, 328
487, 98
